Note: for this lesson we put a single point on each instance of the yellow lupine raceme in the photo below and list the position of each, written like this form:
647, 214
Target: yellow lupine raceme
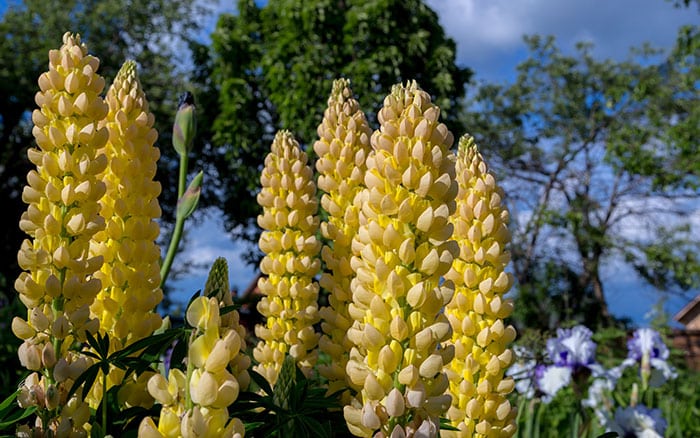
477, 311
342, 150
196, 404
58, 283
401, 252
131, 273
288, 198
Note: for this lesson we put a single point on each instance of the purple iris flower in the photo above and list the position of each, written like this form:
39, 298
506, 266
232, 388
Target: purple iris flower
646, 340
572, 347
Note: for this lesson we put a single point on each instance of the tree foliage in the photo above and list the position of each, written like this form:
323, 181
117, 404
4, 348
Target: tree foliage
116, 29
272, 67
601, 166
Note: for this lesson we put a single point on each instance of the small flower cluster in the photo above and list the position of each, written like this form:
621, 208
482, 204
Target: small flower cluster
572, 357
195, 404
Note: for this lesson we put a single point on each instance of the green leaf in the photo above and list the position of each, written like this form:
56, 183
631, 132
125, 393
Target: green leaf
17, 416
88, 378
8, 402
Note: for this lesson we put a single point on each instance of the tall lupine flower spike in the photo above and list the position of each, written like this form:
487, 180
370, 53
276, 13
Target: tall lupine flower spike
58, 283
401, 251
131, 272
288, 198
196, 404
342, 150
130, 275
477, 311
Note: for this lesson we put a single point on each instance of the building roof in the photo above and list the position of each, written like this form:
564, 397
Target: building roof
687, 312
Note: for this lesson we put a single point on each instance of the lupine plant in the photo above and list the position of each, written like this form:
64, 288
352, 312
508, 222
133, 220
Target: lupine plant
384, 309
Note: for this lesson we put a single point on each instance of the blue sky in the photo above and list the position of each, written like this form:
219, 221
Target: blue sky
489, 34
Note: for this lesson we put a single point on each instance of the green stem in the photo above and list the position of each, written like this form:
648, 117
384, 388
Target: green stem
172, 249
104, 403
179, 224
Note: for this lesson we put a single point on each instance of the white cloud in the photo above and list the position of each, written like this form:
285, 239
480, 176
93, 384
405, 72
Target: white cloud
489, 33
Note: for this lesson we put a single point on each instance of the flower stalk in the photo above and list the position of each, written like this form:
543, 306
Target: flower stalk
289, 221
342, 150
477, 310
59, 282
401, 252
184, 130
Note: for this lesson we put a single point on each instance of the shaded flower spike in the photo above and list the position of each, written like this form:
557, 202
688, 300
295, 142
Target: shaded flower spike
288, 199
58, 282
130, 275
342, 149
400, 253
480, 337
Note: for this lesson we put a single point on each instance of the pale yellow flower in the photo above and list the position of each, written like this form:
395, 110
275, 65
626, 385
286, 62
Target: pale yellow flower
195, 404
288, 198
477, 311
58, 283
342, 151
402, 250
131, 272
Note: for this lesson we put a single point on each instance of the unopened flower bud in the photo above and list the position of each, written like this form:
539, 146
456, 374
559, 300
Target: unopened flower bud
48, 355
52, 397
185, 125
395, 405
60, 327
188, 203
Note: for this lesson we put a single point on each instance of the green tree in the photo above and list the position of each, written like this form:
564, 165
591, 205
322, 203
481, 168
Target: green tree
601, 165
272, 67
114, 30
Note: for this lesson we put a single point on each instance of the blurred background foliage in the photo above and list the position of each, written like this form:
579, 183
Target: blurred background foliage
586, 149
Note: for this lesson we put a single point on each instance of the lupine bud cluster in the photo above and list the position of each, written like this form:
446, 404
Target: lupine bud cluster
477, 311
288, 198
342, 150
402, 250
130, 274
58, 283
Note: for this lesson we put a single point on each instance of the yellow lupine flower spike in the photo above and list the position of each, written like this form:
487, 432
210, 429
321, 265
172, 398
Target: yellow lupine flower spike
288, 198
58, 283
402, 250
477, 311
196, 404
342, 151
131, 273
